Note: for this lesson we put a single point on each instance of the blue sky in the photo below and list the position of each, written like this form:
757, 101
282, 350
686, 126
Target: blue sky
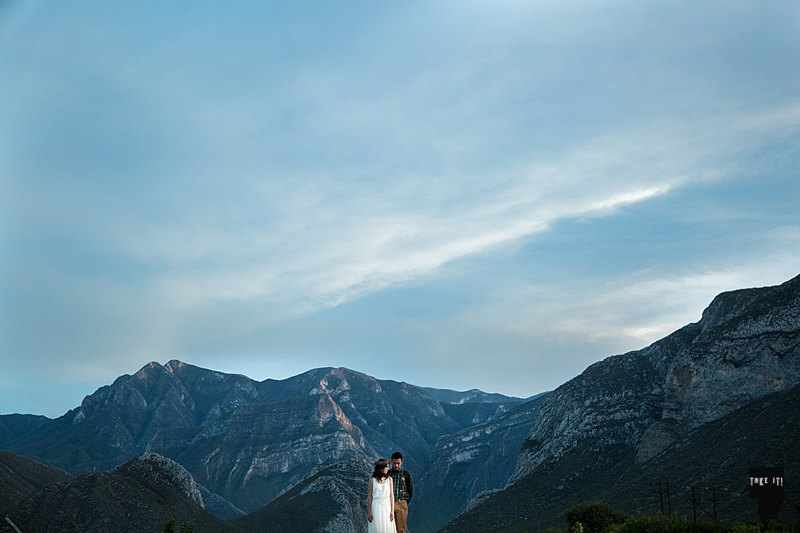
463, 195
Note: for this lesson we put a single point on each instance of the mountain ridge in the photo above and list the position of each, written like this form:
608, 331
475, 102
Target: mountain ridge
140, 495
188, 414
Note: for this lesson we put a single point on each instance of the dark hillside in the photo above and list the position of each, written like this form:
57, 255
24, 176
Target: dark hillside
140, 497
20, 477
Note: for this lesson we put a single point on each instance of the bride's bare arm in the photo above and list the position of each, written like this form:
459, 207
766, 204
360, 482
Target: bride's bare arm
369, 500
391, 496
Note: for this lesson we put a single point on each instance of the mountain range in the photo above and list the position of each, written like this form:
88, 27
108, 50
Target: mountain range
697, 408
247, 442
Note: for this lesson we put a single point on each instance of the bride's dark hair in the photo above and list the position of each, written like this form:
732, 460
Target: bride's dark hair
380, 464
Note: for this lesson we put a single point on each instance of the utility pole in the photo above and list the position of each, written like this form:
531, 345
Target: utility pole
661, 492
694, 503
705, 510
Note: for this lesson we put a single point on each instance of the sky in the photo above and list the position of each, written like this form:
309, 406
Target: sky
454, 194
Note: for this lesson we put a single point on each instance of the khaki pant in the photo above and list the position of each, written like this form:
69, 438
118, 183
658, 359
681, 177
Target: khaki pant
400, 515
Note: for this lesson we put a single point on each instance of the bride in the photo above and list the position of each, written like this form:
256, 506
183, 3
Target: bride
380, 500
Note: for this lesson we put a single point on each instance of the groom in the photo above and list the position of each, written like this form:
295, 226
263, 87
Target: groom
403, 491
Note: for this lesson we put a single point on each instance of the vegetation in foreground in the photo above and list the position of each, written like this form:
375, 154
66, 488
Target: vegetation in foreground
597, 517
169, 527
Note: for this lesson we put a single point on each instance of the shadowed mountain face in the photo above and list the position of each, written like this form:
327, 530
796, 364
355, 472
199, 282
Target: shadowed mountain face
627, 410
20, 477
5, 527
765, 432
139, 496
14, 427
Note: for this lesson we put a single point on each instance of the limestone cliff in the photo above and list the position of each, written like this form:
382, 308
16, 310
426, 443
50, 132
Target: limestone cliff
747, 348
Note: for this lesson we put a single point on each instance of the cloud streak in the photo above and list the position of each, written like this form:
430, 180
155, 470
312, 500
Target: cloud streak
181, 182
336, 247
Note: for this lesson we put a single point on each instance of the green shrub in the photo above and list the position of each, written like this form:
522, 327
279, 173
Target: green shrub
658, 523
169, 527
746, 528
593, 517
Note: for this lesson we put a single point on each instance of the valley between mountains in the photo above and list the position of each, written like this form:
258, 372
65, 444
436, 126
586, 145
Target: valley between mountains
230, 453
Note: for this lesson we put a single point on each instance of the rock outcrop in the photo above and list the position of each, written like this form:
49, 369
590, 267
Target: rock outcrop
330, 499
747, 348
157, 470
610, 404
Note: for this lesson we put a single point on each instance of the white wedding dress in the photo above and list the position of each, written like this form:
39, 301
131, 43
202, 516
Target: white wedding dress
381, 507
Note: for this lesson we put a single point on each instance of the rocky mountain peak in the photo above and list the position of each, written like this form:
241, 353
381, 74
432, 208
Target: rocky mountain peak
150, 371
748, 348
333, 382
243, 440
158, 469
174, 365
751, 309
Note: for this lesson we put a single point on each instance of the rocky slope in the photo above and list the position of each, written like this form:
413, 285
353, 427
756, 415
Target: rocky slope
139, 496
629, 408
20, 477
5, 527
747, 348
471, 462
331, 499
252, 454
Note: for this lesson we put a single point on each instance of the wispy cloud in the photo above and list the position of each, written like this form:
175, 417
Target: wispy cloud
190, 180
342, 242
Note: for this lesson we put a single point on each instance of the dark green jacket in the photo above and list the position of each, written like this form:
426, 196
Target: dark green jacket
403, 486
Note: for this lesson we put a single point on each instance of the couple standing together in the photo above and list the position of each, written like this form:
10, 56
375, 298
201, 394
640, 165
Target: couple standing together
390, 490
